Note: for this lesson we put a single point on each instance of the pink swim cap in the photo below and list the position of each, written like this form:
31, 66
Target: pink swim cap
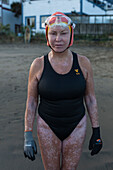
61, 19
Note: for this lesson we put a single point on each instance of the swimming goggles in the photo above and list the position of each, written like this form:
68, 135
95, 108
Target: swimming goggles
61, 20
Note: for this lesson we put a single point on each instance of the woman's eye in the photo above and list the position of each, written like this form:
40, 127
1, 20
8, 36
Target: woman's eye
52, 33
64, 33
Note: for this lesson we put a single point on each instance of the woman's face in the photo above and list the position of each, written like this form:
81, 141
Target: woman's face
59, 38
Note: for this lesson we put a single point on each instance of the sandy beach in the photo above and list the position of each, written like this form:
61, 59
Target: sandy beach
15, 61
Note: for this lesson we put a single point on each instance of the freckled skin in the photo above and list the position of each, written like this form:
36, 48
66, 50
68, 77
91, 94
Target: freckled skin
32, 97
72, 146
90, 99
50, 146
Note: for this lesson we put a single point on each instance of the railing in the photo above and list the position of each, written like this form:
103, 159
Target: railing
94, 29
92, 24
92, 19
103, 4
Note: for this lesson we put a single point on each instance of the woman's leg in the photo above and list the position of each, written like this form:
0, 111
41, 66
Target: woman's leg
50, 146
72, 146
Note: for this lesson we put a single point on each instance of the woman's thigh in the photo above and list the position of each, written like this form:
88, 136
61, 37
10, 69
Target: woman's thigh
72, 146
50, 146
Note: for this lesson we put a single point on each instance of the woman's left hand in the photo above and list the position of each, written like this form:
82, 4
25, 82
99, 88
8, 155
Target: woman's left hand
95, 143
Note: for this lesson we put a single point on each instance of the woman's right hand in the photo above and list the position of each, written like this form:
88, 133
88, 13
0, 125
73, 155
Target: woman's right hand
30, 148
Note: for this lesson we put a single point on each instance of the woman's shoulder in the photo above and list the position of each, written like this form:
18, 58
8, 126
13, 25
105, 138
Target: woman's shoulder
85, 65
37, 66
84, 61
37, 62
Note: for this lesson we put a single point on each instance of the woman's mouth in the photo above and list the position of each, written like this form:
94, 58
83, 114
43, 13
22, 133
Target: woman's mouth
58, 45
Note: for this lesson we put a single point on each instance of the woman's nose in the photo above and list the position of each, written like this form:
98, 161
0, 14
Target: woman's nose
58, 37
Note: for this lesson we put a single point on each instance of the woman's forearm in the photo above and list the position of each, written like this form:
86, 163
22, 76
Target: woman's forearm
91, 105
31, 106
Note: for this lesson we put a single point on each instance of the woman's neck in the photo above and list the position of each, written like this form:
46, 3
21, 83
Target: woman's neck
60, 56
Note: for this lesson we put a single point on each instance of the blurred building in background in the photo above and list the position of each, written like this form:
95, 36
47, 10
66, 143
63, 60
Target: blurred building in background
8, 17
36, 11
98, 7
0, 13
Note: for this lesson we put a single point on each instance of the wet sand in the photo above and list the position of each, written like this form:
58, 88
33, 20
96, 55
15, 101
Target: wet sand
15, 61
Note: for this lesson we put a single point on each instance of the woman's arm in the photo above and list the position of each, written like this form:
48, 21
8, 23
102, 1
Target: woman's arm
95, 143
90, 99
36, 68
32, 96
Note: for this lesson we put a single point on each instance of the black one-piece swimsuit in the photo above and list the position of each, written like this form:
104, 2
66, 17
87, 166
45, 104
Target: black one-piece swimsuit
61, 98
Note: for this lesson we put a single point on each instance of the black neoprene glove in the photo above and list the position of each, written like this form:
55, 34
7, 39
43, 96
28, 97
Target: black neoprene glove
95, 143
30, 148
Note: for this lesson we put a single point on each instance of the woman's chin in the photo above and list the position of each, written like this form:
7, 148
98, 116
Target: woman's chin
59, 50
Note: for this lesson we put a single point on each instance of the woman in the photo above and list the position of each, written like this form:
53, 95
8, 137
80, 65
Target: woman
63, 80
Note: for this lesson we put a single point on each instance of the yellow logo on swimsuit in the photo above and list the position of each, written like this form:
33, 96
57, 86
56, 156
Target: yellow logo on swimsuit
77, 73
